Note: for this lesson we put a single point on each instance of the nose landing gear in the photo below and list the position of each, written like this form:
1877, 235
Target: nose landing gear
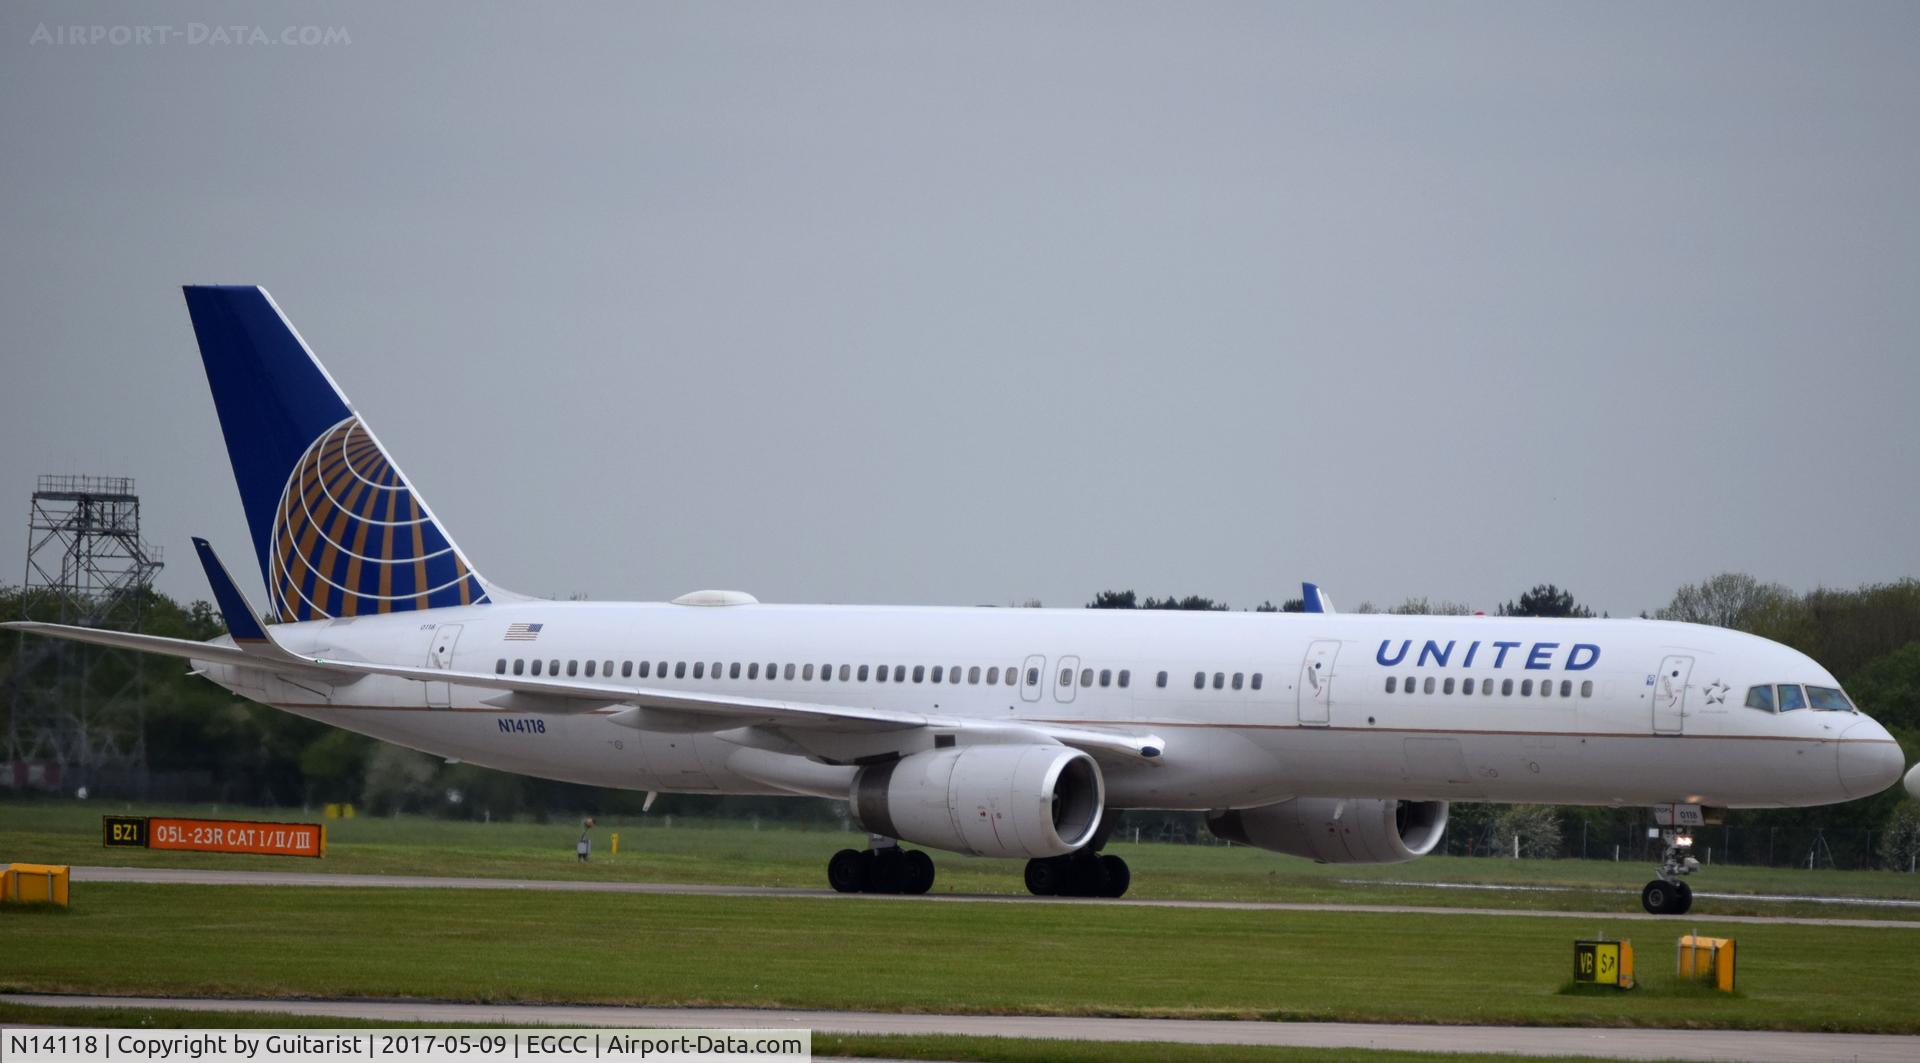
1667, 895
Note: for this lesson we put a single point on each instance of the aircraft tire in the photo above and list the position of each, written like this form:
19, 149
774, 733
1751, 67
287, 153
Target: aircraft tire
1045, 876
1682, 899
1658, 897
917, 872
1087, 875
889, 871
845, 872
1118, 876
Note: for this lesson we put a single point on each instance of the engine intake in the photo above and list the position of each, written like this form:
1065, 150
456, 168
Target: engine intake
988, 800
1335, 830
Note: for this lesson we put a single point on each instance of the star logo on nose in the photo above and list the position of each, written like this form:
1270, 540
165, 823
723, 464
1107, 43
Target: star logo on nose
1717, 693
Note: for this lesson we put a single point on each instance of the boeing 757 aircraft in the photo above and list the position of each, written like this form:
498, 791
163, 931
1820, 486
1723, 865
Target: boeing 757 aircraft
998, 732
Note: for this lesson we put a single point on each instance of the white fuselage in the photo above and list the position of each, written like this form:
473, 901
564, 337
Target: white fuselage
1634, 712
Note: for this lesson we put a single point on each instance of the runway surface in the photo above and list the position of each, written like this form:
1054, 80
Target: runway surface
1756, 1046
180, 876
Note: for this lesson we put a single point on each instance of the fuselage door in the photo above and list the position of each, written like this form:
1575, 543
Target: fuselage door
1314, 691
1670, 695
440, 695
1068, 679
1032, 675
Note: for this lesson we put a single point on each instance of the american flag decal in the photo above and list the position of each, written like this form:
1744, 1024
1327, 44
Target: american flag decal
523, 632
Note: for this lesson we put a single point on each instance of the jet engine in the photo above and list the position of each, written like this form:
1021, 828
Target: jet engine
1334, 830
987, 800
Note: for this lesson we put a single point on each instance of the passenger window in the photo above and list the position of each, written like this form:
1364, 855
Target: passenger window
1526, 688
1086, 677
1828, 699
1160, 680
1126, 674
939, 674
1066, 677
1391, 684
645, 669
1506, 688
1010, 674
1106, 677
846, 670
806, 672
1447, 686
1486, 687
993, 676
536, 667
519, 666
716, 669
1466, 687
1256, 680
733, 670
1791, 698
500, 666
973, 676
1427, 687
626, 669
590, 669
1566, 688
919, 673
788, 672
573, 668
953, 675
1586, 688
753, 669
606, 669
861, 674
1239, 678
663, 669
1199, 680
1411, 687
553, 667
1033, 677
899, 673
1219, 680
699, 669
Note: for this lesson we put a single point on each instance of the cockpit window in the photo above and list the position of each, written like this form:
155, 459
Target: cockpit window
1829, 699
1760, 697
1791, 698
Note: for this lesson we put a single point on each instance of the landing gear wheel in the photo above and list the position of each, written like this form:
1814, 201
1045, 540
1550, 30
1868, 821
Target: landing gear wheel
846, 872
1666, 898
1045, 877
889, 871
1118, 877
1087, 875
916, 872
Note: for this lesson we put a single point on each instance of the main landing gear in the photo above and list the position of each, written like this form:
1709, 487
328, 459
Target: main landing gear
1081, 874
1667, 895
885, 868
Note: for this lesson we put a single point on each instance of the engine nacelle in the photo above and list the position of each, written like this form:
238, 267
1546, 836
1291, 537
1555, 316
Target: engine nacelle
1335, 830
988, 800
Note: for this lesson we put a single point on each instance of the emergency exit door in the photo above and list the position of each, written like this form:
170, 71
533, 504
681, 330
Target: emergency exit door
1670, 695
440, 695
1314, 691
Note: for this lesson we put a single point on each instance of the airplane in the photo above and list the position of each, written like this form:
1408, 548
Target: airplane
1012, 733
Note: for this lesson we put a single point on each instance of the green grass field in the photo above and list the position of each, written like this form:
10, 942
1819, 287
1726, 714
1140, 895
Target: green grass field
941, 1047
472, 945
730, 853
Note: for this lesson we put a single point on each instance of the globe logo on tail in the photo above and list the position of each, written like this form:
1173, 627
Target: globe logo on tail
351, 538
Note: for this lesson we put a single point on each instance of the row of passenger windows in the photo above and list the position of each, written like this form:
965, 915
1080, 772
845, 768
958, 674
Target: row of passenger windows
898, 673
1819, 699
974, 675
1466, 687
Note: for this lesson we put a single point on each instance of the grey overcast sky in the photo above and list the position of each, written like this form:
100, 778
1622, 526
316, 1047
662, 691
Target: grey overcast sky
975, 303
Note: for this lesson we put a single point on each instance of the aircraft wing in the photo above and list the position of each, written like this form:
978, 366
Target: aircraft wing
553, 696
538, 694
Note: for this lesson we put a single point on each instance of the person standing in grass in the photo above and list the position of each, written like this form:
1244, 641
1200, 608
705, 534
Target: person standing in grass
585, 845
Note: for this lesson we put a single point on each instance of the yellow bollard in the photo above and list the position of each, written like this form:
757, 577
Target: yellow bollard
35, 884
1706, 959
614, 850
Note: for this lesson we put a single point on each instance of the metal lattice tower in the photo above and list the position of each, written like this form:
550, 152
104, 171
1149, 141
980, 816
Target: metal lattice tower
76, 710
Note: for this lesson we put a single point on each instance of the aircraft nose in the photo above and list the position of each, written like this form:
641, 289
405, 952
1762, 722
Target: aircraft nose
1870, 759
1913, 782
